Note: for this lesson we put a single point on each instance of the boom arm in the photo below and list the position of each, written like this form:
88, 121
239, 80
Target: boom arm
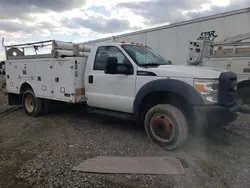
235, 39
229, 47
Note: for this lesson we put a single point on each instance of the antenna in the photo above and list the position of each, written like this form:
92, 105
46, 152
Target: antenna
146, 33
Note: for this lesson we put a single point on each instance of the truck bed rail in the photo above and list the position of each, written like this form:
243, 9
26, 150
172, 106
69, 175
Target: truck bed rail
46, 49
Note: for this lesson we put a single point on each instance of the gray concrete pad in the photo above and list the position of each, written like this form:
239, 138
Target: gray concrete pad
131, 165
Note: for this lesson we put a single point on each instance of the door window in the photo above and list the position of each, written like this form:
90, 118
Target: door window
104, 52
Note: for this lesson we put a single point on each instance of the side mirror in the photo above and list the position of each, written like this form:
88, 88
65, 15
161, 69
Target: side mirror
111, 65
170, 62
125, 68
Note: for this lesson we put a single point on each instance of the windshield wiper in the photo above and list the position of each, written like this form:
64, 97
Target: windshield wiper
151, 64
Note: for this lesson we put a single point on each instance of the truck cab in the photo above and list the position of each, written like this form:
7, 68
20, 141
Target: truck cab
129, 81
133, 79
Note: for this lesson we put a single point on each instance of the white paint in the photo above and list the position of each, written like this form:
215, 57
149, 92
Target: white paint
117, 92
179, 71
114, 92
235, 64
48, 69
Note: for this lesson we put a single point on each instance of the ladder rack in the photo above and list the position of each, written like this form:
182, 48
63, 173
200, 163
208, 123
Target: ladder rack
49, 49
237, 38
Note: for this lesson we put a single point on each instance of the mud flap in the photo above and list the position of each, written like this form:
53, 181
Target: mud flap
14, 99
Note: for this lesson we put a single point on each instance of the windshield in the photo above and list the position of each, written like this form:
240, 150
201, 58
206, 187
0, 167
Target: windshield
143, 55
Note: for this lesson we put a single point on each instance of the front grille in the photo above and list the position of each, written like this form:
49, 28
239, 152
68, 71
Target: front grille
227, 89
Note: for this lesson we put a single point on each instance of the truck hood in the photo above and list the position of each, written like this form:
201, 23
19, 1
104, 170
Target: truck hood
187, 71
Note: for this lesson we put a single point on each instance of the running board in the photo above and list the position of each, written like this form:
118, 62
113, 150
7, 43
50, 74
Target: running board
114, 114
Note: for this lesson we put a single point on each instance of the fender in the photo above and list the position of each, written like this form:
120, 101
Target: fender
170, 85
243, 82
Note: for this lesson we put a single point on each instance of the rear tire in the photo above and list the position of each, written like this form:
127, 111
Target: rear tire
166, 126
33, 106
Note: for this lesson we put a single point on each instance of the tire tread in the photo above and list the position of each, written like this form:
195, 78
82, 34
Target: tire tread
179, 118
39, 104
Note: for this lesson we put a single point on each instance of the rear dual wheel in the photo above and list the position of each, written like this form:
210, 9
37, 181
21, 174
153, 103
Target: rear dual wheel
32, 105
166, 126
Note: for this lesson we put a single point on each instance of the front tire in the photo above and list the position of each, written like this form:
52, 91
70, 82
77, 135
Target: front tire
33, 106
166, 126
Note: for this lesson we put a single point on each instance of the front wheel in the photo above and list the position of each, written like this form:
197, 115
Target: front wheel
33, 106
166, 126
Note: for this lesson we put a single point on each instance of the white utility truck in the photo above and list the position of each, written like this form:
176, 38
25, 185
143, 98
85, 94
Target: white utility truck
232, 54
125, 80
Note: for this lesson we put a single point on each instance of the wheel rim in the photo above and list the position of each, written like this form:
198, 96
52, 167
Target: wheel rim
162, 128
29, 104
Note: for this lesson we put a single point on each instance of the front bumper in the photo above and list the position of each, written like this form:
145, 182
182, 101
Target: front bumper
215, 116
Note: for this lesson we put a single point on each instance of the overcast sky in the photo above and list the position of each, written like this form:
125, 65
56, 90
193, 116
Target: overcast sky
82, 20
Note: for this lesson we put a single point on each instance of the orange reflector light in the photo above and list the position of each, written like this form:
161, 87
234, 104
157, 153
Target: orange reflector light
199, 87
142, 44
137, 43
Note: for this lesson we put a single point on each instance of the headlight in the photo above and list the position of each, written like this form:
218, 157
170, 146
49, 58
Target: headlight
208, 89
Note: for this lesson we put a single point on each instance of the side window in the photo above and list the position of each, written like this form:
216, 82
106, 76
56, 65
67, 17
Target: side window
104, 52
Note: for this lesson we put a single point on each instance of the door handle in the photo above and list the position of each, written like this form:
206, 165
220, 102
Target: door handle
91, 79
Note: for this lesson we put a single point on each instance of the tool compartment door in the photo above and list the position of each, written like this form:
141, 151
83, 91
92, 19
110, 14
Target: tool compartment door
217, 63
43, 78
241, 66
11, 77
63, 80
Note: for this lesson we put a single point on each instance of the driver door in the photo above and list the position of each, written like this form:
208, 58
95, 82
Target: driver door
110, 91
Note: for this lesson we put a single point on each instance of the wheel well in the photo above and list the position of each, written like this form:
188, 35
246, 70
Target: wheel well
243, 88
243, 84
25, 86
164, 97
16, 99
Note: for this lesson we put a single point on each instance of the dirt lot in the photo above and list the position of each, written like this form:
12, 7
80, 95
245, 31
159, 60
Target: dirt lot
40, 152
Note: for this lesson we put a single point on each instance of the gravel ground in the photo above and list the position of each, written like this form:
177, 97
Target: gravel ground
40, 152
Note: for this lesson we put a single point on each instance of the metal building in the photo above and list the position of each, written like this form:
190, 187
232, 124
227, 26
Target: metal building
171, 41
